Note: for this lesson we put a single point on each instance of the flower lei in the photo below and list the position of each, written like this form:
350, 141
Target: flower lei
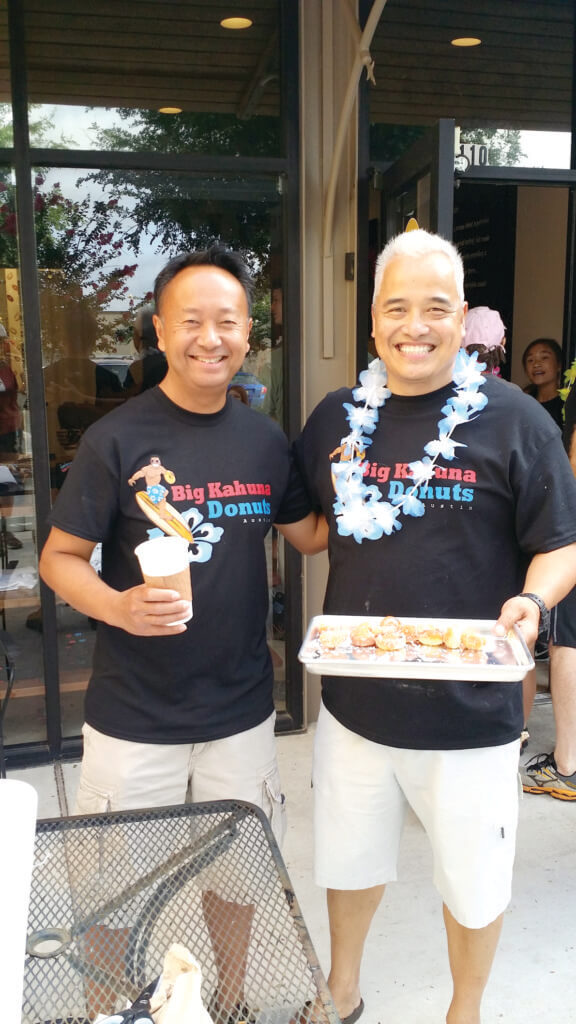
569, 379
360, 509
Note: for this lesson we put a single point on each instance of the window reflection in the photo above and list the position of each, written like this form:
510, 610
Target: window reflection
99, 79
19, 591
99, 256
79, 390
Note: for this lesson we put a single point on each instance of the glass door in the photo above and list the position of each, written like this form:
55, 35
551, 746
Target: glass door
98, 341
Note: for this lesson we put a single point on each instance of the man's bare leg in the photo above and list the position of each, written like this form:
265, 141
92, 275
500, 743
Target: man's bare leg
350, 913
230, 927
471, 953
563, 689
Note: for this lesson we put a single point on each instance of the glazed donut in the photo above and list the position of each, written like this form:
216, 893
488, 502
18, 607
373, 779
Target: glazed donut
389, 624
331, 637
362, 635
390, 641
430, 636
452, 638
471, 641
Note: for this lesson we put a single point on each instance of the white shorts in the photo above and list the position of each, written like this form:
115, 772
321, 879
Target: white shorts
467, 801
119, 775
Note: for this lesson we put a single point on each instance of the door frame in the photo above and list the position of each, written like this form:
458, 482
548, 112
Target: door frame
23, 158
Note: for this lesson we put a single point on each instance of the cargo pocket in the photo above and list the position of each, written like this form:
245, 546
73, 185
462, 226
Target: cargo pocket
90, 800
274, 804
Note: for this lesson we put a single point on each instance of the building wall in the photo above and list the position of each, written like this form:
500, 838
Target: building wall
540, 266
328, 300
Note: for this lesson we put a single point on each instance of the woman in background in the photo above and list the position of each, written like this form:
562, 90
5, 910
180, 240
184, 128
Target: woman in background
542, 362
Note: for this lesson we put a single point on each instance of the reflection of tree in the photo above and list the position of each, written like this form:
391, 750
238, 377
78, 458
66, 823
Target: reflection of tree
76, 240
180, 212
189, 212
40, 127
504, 145
215, 134
390, 141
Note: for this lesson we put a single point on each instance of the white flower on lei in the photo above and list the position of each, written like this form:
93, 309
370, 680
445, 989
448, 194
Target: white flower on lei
422, 470
366, 516
372, 388
467, 370
411, 505
361, 419
443, 446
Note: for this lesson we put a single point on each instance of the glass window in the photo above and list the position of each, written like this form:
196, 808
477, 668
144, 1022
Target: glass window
20, 620
5, 93
102, 237
138, 78
503, 147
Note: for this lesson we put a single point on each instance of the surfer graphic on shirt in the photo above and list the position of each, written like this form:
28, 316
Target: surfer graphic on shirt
152, 475
153, 501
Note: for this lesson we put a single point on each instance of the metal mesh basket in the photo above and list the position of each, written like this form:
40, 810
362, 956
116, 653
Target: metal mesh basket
110, 894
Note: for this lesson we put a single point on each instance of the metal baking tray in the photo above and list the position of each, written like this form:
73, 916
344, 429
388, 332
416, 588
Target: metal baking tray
502, 660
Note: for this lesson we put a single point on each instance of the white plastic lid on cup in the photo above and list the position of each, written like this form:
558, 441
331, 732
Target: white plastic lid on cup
162, 556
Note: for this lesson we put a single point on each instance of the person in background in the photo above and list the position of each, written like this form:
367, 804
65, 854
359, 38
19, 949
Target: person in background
237, 391
555, 773
542, 362
403, 542
486, 335
149, 368
10, 431
78, 390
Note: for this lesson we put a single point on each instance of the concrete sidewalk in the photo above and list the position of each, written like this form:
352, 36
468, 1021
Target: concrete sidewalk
405, 978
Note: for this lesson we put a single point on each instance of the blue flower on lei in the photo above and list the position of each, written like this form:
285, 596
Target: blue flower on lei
361, 419
360, 510
204, 535
365, 516
468, 371
423, 470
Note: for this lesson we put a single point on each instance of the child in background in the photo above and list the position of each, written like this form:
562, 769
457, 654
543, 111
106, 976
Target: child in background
486, 335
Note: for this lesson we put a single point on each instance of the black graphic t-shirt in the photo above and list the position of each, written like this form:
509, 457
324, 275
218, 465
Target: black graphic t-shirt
507, 495
224, 478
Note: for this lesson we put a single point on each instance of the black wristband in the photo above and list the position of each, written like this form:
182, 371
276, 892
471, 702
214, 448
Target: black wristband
544, 611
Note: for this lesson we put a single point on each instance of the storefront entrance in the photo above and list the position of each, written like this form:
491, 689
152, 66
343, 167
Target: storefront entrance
513, 226
126, 143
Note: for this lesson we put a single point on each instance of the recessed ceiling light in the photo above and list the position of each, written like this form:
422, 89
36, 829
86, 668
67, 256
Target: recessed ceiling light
466, 41
169, 110
236, 22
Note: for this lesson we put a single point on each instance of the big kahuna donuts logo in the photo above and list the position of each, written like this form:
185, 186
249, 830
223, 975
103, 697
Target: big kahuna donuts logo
248, 502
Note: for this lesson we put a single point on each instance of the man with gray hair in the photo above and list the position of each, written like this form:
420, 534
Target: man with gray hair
447, 496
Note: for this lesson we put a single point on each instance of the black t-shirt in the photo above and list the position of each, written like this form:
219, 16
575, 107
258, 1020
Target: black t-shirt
555, 408
507, 495
228, 476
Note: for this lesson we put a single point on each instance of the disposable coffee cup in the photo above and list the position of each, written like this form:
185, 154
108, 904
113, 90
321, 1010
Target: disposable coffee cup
164, 563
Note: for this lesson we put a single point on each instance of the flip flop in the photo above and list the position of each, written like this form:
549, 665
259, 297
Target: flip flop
353, 1017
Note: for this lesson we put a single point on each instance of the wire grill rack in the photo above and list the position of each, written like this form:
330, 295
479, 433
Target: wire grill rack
111, 892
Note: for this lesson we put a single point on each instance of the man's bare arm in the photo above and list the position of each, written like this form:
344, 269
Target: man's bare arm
551, 575
142, 610
309, 535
